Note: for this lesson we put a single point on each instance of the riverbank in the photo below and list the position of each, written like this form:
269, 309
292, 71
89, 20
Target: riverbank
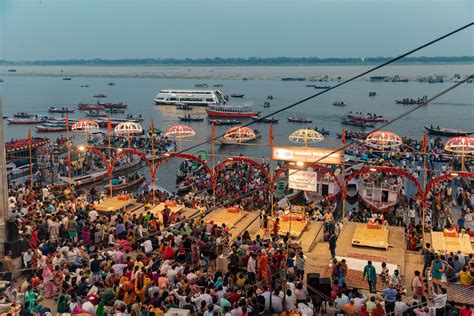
409, 71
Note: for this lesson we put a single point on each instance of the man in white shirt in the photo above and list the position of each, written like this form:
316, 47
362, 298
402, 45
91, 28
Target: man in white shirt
341, 300
400, 307
251, 268
93, 215
440, 301
88, 306
359, 301
147, 245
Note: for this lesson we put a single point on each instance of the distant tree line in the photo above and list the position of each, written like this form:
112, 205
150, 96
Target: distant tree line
251, 61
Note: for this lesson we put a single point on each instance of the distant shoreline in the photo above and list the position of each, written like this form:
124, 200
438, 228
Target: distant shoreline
411, 71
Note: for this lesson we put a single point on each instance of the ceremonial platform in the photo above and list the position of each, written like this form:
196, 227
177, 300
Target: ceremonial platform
113, 204
237, 222
446, 244
394, 253
375, 237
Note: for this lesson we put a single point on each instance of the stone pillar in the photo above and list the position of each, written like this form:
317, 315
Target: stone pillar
4, 213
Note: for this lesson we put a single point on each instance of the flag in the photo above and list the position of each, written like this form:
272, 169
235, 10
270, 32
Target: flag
152, 127
109, 125
424, 143
67, 122
29, 137
270, 134
343, 136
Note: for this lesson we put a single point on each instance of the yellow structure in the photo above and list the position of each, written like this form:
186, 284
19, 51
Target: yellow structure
444, 244
370, 237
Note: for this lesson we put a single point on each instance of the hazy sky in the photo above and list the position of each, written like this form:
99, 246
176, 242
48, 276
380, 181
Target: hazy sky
63, 29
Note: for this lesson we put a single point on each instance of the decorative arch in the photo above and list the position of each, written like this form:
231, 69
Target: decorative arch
392, 170
314, 166
232, 160
133, 152
445, 177
75, 153
184, 156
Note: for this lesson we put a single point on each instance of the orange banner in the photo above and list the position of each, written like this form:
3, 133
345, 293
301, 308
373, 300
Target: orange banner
307, 154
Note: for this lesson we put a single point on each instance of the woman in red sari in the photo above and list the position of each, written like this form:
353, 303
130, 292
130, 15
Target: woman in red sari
263, 266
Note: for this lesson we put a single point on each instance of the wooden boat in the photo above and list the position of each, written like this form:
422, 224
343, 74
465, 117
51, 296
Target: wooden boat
126, 185
264, 120
298, 120
237, 95
96, 113
28, 121
53, 109
446, 131
372, 94
322, 131
50, 128
269, 97
266, 104
108, 105
191, 119
90, 107
84, 86
87, 179
348, 121
225, 122
219, 85
115, 111
67, 78
230, 111
127, 166
100, 95
410, 101
22, 144
339, 103
322, 87
200, 85
131, 118
111, 84
373, 118
380, 196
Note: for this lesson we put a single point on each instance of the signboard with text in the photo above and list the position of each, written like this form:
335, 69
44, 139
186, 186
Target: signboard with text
302, 180
307, 154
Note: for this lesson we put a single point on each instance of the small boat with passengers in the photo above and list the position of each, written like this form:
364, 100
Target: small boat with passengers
224, 122
90, 107
125, 183
189, 118
298, 120
410, 101
260, 119
439, 131
53, 109
100, 95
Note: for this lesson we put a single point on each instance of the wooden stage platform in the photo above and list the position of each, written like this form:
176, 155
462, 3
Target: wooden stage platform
236, 222
442, 244
113, 205
395, 254
375, 238
178, 210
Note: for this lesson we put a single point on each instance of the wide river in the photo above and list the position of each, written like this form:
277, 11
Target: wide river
36, 93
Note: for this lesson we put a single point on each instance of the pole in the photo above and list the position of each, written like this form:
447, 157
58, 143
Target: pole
213, 162
153, 160
4, 213
343, 194
68, 146
423, 204
109, 167
31, 158
271, 190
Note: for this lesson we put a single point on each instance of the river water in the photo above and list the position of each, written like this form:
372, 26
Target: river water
36, 94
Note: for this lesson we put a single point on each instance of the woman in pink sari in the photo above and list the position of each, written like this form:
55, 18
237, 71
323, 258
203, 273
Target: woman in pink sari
48, 282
